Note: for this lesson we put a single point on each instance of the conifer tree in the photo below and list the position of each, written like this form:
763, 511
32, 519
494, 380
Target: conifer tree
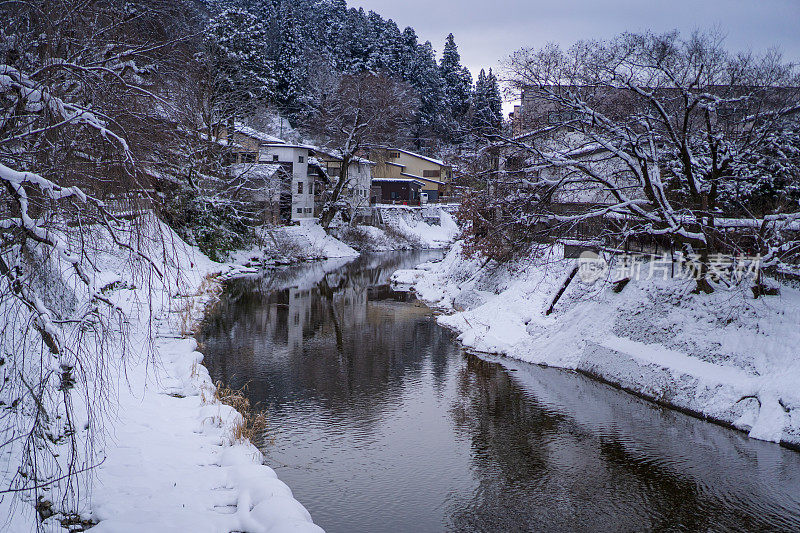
495, 102
238, 71
290, 72
457, 82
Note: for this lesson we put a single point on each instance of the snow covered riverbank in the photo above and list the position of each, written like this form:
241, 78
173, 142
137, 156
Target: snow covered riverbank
726, 357
166, 454
403, 228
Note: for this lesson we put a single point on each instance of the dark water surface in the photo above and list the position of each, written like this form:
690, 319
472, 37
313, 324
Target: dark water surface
381, 422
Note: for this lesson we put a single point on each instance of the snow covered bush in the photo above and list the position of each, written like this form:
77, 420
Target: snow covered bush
662, 137
78, 82
210, 222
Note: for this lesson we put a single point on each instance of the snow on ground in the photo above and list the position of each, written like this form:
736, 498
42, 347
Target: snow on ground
168, 459
292, 244
727, 356
404, 228
410, 222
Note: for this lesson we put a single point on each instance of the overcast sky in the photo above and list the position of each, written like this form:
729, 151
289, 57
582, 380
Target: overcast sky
486, 31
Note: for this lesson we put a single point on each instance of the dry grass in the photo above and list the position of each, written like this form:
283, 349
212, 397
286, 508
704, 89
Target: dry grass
253, 424
197, 306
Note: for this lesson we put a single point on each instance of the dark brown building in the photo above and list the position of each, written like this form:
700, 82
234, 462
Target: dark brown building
400, 191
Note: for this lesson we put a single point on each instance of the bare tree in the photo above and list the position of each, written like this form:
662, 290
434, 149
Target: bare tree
363, 109
652, 134
78, 83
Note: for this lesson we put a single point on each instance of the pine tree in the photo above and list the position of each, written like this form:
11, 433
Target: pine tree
457, 86
495, 102
480, 104
487, 105
426, 79
408, 57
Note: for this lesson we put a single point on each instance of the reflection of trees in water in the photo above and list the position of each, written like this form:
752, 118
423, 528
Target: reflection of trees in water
323, 340
537, 469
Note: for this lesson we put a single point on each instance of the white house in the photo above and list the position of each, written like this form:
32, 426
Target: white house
250, 146
302, 183
359, 177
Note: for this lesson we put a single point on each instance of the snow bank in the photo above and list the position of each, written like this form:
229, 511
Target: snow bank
167, 459
410, 222
726, 357
294, 244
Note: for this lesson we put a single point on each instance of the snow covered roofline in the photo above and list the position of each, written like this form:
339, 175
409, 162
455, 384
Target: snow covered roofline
284, 145
238, 127
396, 180
336, 155
412, 154
420, 178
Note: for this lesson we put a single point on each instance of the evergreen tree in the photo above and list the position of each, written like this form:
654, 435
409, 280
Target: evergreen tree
239, 73
290, 71
427, 80
457, 82
480, 104
409, 51
487, 113
495, 101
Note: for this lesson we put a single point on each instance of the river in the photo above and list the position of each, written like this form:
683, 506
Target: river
380, 421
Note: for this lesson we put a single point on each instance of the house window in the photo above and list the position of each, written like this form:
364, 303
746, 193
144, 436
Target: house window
275, 158
299, 210
300, 187
308, 209
431, 173
301, 159
394, 155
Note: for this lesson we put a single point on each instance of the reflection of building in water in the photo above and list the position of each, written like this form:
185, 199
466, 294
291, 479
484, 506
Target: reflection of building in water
351, 305
299, 315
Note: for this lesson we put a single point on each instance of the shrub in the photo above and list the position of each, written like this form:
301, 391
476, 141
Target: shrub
214, 225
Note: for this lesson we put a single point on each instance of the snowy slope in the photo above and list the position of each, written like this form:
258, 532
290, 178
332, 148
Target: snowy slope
167, 458
409, 221
726, 356
292, 244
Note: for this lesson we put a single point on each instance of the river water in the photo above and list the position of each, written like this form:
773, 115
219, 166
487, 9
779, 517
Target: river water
380, 421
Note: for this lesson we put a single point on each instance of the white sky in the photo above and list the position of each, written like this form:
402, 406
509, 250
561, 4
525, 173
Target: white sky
486, 31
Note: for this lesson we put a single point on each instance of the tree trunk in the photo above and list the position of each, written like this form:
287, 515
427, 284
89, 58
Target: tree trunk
331, 209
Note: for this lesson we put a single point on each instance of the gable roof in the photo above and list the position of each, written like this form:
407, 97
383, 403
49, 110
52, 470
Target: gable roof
413, 154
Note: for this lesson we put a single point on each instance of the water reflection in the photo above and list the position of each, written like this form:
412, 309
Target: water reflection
381, 423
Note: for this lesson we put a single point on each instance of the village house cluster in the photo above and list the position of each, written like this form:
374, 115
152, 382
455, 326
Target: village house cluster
292, 182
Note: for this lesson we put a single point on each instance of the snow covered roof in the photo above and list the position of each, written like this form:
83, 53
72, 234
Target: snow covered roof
396, 180
420, 156
418, 178
337, 155
238, 127
284, 145
256, 170
414, 154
